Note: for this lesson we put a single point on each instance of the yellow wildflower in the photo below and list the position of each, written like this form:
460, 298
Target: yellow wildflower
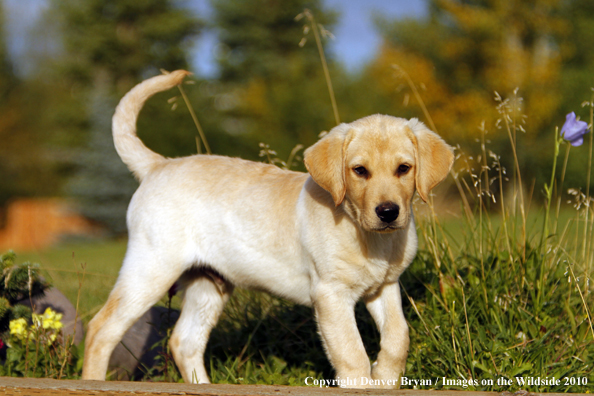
49, 320
51, 339
18, 327
37, 319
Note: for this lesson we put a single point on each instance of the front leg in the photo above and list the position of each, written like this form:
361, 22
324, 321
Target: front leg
386, 309
335, 314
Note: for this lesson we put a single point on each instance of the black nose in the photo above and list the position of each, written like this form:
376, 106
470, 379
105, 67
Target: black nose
387, 211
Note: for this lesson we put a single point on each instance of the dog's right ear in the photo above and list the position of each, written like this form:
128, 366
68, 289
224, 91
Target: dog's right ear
325, 161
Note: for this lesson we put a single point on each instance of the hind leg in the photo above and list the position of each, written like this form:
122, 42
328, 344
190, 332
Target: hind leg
204, 300
139, 286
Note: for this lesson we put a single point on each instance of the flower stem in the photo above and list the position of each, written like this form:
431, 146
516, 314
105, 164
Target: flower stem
587, 238
413, 87
521, 186
560, 188
316, 32
549, 192
196, 122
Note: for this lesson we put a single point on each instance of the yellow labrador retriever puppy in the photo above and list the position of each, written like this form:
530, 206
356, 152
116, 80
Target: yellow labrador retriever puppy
326, 239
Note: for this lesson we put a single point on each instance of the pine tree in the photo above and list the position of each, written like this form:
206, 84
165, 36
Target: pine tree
103, 183
17, 282
110, 45
12, 134
275, 89
577, 77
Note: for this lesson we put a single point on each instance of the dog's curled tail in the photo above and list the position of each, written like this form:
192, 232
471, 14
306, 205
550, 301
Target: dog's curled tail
139, 158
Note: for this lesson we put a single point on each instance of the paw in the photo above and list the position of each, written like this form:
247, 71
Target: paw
384, 377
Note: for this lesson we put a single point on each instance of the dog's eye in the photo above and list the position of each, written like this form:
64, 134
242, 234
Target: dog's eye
361, 171
402, 169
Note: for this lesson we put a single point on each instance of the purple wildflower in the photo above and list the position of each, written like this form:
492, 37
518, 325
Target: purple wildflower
574, 130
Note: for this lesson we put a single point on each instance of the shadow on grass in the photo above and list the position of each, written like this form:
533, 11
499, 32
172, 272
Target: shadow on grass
269, 340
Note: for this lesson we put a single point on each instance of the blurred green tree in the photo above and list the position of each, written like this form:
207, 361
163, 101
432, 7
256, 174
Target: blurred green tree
273, 90
469, 49
15, 162
110, 45
576, 50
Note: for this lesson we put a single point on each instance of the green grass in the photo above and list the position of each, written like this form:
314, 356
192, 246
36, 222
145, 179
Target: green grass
66, 264
495, 315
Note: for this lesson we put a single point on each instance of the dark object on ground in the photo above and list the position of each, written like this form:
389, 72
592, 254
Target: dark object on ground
54, 299
130, 360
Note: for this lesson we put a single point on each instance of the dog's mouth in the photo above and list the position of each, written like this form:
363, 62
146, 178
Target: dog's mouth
387, 228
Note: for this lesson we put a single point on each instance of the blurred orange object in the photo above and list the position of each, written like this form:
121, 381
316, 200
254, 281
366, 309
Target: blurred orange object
36, 223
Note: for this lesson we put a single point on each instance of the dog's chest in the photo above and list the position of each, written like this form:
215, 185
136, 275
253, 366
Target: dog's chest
378, 272
387, 259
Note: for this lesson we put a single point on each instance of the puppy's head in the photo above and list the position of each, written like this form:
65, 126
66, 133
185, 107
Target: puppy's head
373, 165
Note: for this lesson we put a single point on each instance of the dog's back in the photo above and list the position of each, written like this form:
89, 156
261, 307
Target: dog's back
215, 209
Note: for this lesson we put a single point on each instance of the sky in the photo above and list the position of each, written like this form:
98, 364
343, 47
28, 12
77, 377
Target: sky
355, 38
355, 42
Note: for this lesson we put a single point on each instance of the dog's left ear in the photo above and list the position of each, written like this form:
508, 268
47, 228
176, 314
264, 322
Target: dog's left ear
325, 161
434, 158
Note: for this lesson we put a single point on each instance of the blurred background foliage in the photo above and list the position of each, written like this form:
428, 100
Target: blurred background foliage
55, 119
